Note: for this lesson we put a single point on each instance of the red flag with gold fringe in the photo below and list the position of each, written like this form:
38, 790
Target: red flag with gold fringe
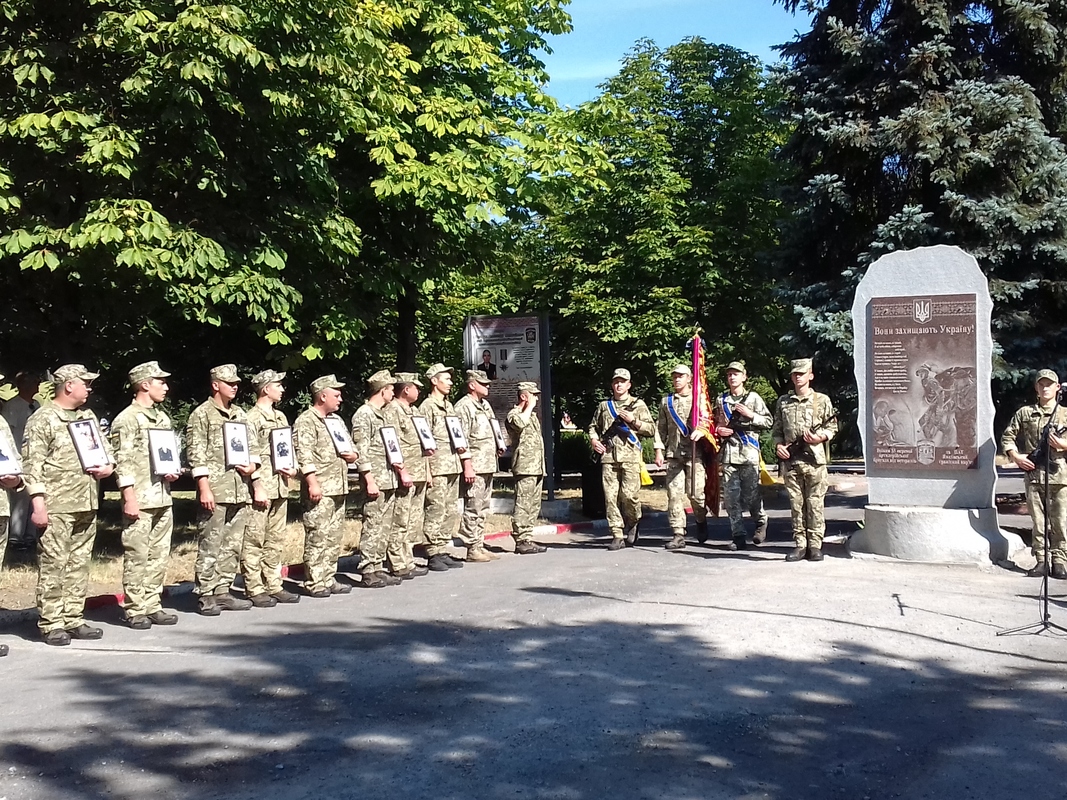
702, 422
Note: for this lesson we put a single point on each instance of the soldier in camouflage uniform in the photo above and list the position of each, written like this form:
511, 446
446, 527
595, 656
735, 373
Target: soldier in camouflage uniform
1023, 435
479, 464
616, 438
408, 506
804, 424
674, 448
64, 497
527, 465
380, 481
740, 415
323, 462
147, 516
442, 492
224, 493
261, 551
12, 480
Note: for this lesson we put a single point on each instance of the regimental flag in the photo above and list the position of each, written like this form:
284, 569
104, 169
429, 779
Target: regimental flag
701, 420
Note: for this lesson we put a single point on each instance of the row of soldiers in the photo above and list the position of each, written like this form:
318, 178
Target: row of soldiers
410, 478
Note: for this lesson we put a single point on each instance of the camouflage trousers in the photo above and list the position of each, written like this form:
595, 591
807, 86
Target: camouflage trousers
622, 483
806, 484
63, 554
527, 506
407, 521
145, 550
261, 550
740, 493
439, 516
1057, 521
678, 494
219, 547
378, 542
475, 509
324, 527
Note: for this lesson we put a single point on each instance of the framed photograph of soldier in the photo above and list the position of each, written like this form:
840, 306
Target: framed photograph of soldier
163, 452
392, 445
342, 440
455, 433
88, 443
425, 432
282, 455
498, 434
10, 464
235, 444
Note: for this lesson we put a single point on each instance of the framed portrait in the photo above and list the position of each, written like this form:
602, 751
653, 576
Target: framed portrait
282, 454
392, 446
235, 444
455, 433
10, 463
163, 452
342, 440
88, 443
425, 432
498, 434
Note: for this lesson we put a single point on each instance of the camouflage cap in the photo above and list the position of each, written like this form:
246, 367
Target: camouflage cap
682, 369
436, 370
261, 379
325, 382
800, 365
408, 377
227, 373
621, 373
529, 386
379, 380
146, 371
737, 366
1046, 373
73, 372
479, 376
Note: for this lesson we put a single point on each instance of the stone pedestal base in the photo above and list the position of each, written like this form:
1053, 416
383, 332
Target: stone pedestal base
960, 535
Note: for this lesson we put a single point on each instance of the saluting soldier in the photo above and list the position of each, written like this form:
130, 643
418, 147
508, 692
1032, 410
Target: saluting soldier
1023, 436
674, 447
408, 506
740, 415
64, 497
442, 492
11, 480
804, 424
261, 550
323, 456
615, 434
147, 515
527, 465
377, 542
224, 489
479, 464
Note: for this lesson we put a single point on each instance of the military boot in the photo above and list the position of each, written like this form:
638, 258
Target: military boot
263, 600
797, 554
676, 543
479, 555
84, 631
227, 602
760, 536
529, 547
437, 563
702, 531
632, 535
1038, 571
283, 596
1059, 572
207, 607
815, 554
616, 543
139, 622
738, 543
58, 638
163, 618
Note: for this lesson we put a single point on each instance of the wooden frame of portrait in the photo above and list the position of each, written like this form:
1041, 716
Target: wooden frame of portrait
498, 434
164, 453
10, 461
455, 434
235, 444
339, 435
393, 454
282, 454
425, 432
88, 443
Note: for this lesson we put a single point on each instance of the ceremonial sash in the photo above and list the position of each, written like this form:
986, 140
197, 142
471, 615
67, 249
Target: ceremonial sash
677, 419
746, 437
631, 437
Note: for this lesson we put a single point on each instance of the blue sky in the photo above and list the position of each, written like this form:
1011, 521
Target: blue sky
605, 29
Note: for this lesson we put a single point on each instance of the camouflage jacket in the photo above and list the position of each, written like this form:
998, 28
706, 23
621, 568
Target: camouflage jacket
735, 450
7, 440
527, 445
1024, 434
261, 421
367, 425
129, 440
794, 416
444, 461
207, 457
620, 450
50, 462
474, 416
399, 416
316, 453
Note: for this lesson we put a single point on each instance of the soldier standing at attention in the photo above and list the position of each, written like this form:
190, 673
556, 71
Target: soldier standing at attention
147, 516
674, 447
527, 465
12, 482
324, 488
479, 464
442, 492
377, 542
261, 551
740, 415
408, 506
224, 492
615, 434
804, 424
1022, 437
63, 498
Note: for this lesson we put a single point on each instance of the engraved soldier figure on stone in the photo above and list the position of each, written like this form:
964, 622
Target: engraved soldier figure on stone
674, 448
615, 433
527, 465
64, 496
440, 517
1022, 443
410, 499
147, 514
479, 464
10, 481
804, 424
